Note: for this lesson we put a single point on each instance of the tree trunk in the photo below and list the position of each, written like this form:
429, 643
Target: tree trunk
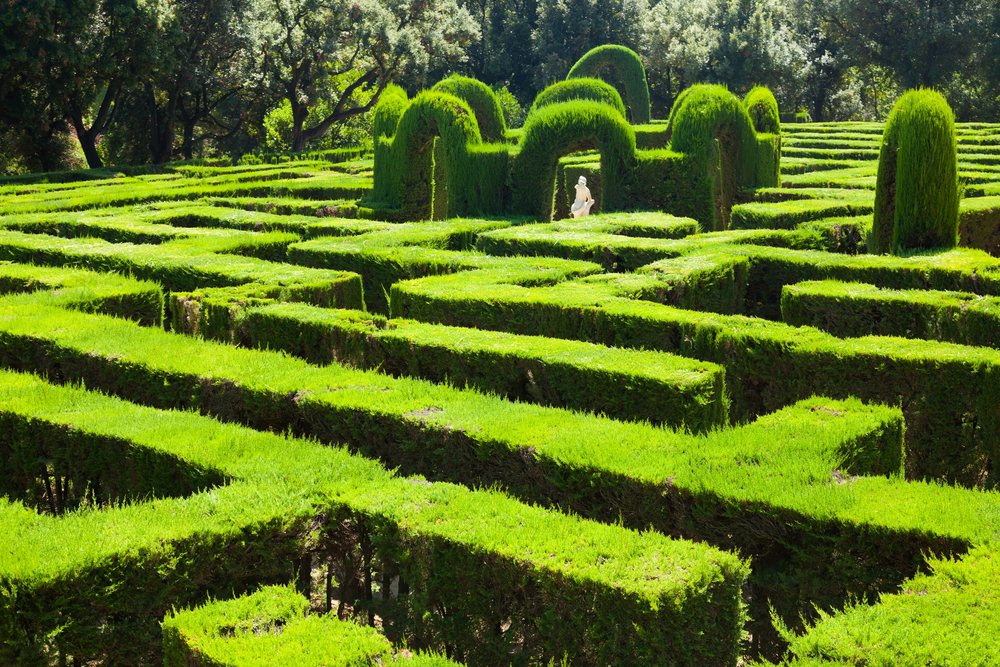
161, 125
818, 102
88, 141
299, 115
89, 146
88, 136
187, 146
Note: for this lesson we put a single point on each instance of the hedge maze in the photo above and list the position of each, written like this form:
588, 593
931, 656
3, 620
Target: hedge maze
396, 406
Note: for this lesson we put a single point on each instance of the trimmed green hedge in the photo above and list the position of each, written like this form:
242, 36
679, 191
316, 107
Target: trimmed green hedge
651, 137
429, 428
175, 189
473, 173
267, 245
137, 300
628, 69
856, 309
943, 617
622, 384
675, 183
592, 240
699, 177
482, 101
181, 267
723, 501
916, 195
292, 499
979, 224
578, 89
768, 364
410, 177
792, 213
711, 124
403, 252
273, 626
763, 110
390, 108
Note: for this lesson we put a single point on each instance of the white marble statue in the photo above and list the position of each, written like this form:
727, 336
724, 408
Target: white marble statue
584, 201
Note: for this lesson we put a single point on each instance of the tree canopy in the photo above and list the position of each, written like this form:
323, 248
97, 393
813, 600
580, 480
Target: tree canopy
119, 81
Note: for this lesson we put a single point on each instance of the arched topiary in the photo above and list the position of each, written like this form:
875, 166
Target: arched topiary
584, 88
678, 104
409, 171
391, 105
567, 127
916, 192
763, 110
711, 123
481, 100
629, 70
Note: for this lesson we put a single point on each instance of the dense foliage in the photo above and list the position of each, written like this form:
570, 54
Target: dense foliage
124, 81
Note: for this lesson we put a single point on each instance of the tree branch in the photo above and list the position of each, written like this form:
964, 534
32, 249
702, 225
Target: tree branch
338, 114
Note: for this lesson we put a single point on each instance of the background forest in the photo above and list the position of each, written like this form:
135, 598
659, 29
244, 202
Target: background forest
104, 82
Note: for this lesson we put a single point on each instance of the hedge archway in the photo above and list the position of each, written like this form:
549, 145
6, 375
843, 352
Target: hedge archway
568, 127
411, 166
482, 101
627, 65
710, 122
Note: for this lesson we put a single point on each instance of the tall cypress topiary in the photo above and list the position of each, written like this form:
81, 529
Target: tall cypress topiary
916, 193
627, 65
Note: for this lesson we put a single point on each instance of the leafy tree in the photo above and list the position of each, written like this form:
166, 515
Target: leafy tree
304, 42
923, 41
756, 46
93, 63
354, 131
41, 41
974, 89
567, 29
738, 43
680, 37
509, 61
203, 61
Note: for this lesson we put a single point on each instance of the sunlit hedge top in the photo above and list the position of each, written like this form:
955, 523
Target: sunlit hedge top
391, 105
578, 89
